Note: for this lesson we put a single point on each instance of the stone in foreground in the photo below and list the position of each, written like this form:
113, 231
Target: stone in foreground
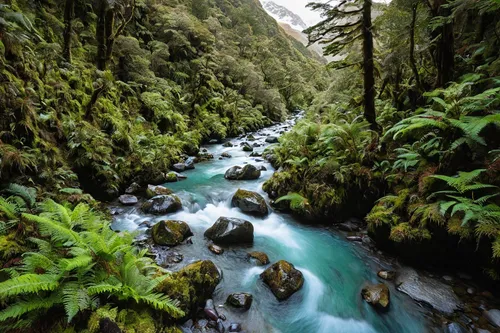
228, 230
154, 190
377, 295
128, 200
283, 279
250, 202
259, 258
170, 233
240, 300
162, 204
248, 172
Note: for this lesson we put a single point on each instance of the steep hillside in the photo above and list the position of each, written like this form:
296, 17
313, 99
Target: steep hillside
102, 93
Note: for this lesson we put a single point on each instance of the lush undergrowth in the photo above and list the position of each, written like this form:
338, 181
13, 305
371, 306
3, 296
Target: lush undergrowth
427, 182
101, 93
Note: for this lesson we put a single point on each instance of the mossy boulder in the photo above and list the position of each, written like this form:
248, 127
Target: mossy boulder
377, 295
248, 172
192, 285
247, 148
162, 204
283, 279
154, 190
272, 139
259, 257
171, 177
170, 232
228, 230
250, 202
240, 300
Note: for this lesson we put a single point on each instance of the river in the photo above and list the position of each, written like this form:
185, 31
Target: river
335, 270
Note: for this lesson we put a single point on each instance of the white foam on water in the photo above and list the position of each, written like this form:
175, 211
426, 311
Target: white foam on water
274, 227
251, 275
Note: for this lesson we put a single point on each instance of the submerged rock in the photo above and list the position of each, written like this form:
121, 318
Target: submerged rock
192, 285
154, 190
228, 230
272, 139
162, 204
226, 155
424, 289
248, 172
170, 232
250, 202
377, 295
240, 300
283, 279
260, 257
216, 249
128, 200
227, 144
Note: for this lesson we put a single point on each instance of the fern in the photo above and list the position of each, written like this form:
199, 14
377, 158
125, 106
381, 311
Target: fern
31, 304
28, 284
297, 202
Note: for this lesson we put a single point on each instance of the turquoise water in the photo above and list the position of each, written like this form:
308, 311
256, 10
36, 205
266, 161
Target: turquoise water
334, 269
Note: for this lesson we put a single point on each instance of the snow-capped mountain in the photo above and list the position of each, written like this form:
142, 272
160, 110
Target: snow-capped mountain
284, 15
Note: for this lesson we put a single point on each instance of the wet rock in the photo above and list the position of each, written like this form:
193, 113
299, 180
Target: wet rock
255, 154
145, 224
202, 157
377, 295
173, 258
189, 163
222, 316
128, 200
178, 167
250, 202
234, 327
354, 238
471, 291
210, 310
247, 147
283, 279
228, 230
350, 225
493, 317
171, 177
226, 155
133, 188
220, 326
170, 232
256, 145
227, 144
216, 249
213, 141
251, 138
162, 204
259, 257
424, 289
154, 190
447, 278
480, 330
386, 275
240, 300
455, 328
248, 172
115, 211
180, 176
272, 139
106, 325
192, 285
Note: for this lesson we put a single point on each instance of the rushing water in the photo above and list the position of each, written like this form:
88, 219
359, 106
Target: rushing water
334, 269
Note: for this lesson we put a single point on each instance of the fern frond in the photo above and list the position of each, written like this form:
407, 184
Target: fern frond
28, 284
53, 229
20, 308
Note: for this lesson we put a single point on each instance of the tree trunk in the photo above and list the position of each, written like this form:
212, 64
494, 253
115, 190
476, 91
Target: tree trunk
369, 80
69, 10
101, 35
444, 50
413, 64
110, 40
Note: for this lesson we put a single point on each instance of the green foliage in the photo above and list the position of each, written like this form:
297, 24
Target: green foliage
297, 202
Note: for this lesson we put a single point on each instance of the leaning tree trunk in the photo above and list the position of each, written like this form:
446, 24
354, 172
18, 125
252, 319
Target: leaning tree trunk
101, 35
69, 10
369, 80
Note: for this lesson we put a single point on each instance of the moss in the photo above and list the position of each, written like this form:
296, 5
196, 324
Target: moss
170, 233
405, 232
171, 177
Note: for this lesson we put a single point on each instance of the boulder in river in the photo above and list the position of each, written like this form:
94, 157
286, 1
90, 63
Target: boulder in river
377, 295
171, 177
210, 310
250, 202
170, 232
215, 249
386, 275
154, 190
205, 156
259, 257
192, 285
133, 188
428, 290
272, 139
189, 163
493, 317
179, 167
283, 279
240, 300
226, 155
229, 230
128, 200
162, 204
247, 147
227, 144
248, 172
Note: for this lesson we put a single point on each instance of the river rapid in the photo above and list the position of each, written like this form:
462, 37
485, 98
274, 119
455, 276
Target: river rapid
335, 270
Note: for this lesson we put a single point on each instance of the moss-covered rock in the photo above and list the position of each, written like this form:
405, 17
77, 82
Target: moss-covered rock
170, 233
248, 172
240, 300
162, 204
192, 285
228, 230
171, 177
259, 257
250, 202
377, 295
154, 190
283, 279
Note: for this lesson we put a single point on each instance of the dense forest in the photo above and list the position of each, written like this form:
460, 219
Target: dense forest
401, 132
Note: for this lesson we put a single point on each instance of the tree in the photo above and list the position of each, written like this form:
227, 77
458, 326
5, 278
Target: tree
69, 9
345, 24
